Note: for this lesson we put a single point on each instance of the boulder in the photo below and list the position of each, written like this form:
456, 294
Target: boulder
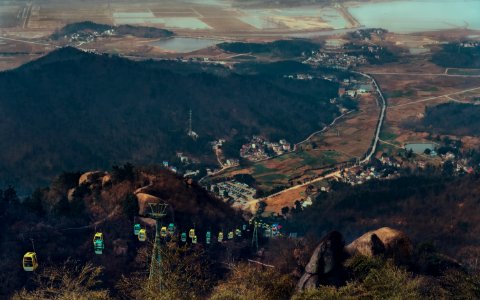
385, 241
90, 177
143, 199
325, 265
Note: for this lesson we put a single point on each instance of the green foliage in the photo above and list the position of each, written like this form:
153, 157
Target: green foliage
460, 285
454, 55
187, 273
282, 48
88, 26
130, 206
70, 281
120, 174
79, 121
453, 119
376, 280
250, 282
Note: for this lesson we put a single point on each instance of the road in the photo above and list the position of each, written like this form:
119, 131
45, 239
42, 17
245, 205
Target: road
383, 111
422, 74
322, 130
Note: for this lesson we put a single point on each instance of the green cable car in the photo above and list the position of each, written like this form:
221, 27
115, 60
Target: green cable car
98, 244
238, 232
136, 229
194, 240
208, 237
230, 235
171, 228
184, 237
220, 237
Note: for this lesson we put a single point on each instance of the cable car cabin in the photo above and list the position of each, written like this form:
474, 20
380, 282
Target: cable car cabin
184, 237
208, 237
238, 232
230, 235
220, 237
163, 232
142, 235
136, 229
244, 226
30, 262
98, 244
171, 228
191, 233
194, 240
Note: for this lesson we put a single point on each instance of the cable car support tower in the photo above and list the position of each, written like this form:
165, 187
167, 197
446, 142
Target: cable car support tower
157, 212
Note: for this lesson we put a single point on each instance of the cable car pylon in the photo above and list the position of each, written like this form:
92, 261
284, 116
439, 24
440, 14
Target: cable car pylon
157, 212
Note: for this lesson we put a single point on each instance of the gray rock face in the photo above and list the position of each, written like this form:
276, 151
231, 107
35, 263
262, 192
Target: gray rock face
327, 257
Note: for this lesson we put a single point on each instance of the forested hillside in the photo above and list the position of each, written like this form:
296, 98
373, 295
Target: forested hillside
440, 211
72, 110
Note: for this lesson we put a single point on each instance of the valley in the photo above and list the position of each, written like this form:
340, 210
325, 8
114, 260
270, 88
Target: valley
233, 149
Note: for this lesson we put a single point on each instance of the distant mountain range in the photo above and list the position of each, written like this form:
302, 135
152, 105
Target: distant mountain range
72, 110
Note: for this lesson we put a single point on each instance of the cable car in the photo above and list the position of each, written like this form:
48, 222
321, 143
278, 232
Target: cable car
142, 235
30, 262
163, 232
98, 244
220, 237
136, 229
238, 232
208, 237
194, 240
244, 226
230, 235
191, 233
184, 237
171, 228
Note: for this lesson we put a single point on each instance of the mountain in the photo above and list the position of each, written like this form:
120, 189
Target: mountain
62, 218
72, 110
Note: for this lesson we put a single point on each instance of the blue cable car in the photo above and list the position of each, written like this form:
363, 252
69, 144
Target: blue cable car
98, 244
171, 228
208, 237
136, 229
184, 237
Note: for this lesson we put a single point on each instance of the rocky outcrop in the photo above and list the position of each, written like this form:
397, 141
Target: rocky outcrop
325, 265
385, 241
143, 199
91, 177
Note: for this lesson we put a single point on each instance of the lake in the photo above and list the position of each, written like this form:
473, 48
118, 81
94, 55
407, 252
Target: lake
416, 16
184, 44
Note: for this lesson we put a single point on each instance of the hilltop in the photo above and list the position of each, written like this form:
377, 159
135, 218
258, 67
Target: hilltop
86, 27
72, 110
62, 218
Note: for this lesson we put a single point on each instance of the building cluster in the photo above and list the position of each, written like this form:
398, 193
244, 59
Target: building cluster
336, 60
351, 87
299, 76
87, 36
259, 148
233, 192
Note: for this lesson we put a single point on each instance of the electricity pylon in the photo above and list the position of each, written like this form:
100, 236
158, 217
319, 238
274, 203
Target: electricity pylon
157, 212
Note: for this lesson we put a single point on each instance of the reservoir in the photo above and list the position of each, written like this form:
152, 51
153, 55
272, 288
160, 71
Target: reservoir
417, 16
